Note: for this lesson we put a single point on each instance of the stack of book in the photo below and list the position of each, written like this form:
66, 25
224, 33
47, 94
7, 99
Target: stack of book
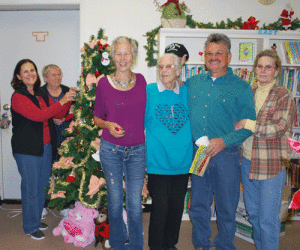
189, 71
291, 52
245, 74
289, 78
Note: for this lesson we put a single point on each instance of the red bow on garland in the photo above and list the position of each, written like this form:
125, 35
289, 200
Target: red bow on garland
177, 4
251, 24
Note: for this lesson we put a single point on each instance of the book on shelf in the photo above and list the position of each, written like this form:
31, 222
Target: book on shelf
289, 78
189, 71
288, 49
187, 201
245, 74
297, 45
246, 52
293, 175
295, 52
291, 51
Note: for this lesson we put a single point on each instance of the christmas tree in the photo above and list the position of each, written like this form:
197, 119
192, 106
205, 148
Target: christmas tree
77, 175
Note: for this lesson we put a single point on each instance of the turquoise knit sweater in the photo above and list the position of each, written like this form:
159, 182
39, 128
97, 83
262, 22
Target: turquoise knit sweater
168, 132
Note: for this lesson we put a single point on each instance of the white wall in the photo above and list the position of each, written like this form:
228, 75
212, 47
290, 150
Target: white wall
134, 18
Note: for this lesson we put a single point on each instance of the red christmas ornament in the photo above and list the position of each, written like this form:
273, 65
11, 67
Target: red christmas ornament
100, 46
69, 117
201, 53
97, 73
71, 178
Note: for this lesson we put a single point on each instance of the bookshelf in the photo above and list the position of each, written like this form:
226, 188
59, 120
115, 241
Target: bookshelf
243, 42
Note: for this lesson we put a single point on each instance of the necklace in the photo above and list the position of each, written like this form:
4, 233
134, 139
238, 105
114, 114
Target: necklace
123, 84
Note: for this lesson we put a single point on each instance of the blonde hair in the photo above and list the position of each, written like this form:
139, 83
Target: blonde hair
47, 68
269, 53
124, 39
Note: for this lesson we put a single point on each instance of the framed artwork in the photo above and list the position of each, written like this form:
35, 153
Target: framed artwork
246, 52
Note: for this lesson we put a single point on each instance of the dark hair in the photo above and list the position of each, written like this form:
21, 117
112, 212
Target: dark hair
218, 38
16, 83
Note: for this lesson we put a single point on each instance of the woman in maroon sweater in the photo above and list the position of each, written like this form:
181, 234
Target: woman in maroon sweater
31, 141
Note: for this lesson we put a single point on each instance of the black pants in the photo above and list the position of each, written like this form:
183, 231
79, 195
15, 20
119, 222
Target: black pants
167, 193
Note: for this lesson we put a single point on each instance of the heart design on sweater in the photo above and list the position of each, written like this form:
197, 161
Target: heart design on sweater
172, 117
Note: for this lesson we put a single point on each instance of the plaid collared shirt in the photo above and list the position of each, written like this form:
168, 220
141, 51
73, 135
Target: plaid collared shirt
274, 125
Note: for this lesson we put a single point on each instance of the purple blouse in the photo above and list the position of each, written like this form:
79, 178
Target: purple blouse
126, 108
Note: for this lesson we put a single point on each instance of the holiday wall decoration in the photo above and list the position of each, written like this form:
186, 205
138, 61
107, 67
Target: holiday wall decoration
77, 176
284, 22
286, 17
173, 14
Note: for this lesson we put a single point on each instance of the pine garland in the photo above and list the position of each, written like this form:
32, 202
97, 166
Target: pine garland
237, 24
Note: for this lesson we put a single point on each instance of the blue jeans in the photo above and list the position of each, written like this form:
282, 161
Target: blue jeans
117, 161
263, 203
221, 178
35, 172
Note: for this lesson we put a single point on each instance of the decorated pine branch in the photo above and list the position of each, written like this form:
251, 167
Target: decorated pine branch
77, 176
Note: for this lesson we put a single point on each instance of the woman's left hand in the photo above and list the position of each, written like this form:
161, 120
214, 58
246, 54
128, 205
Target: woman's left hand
240, 124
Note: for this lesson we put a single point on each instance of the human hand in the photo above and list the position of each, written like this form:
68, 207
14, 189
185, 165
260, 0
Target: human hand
69, 96
214, 147
58, 121
180, 83
115, 129
240, 124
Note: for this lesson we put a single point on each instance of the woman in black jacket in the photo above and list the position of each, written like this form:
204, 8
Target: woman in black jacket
31, 141
53, 89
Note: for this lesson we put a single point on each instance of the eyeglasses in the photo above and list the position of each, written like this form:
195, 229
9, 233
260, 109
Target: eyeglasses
217, 54
266, 68
168, 66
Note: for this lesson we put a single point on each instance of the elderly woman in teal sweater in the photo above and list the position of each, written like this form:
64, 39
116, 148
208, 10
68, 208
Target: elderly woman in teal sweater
169, 153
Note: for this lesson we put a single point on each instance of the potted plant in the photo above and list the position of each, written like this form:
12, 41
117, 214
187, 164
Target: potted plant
173, 14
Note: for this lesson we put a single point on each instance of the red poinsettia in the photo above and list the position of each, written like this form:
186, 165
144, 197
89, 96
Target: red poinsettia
251, 24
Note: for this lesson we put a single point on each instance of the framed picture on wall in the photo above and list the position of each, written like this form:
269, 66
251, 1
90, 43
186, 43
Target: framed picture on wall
246, 52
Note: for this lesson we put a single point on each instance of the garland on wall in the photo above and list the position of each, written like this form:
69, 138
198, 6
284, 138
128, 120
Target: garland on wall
251, 23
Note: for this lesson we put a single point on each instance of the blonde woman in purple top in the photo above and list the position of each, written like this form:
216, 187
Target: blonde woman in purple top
119, 111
